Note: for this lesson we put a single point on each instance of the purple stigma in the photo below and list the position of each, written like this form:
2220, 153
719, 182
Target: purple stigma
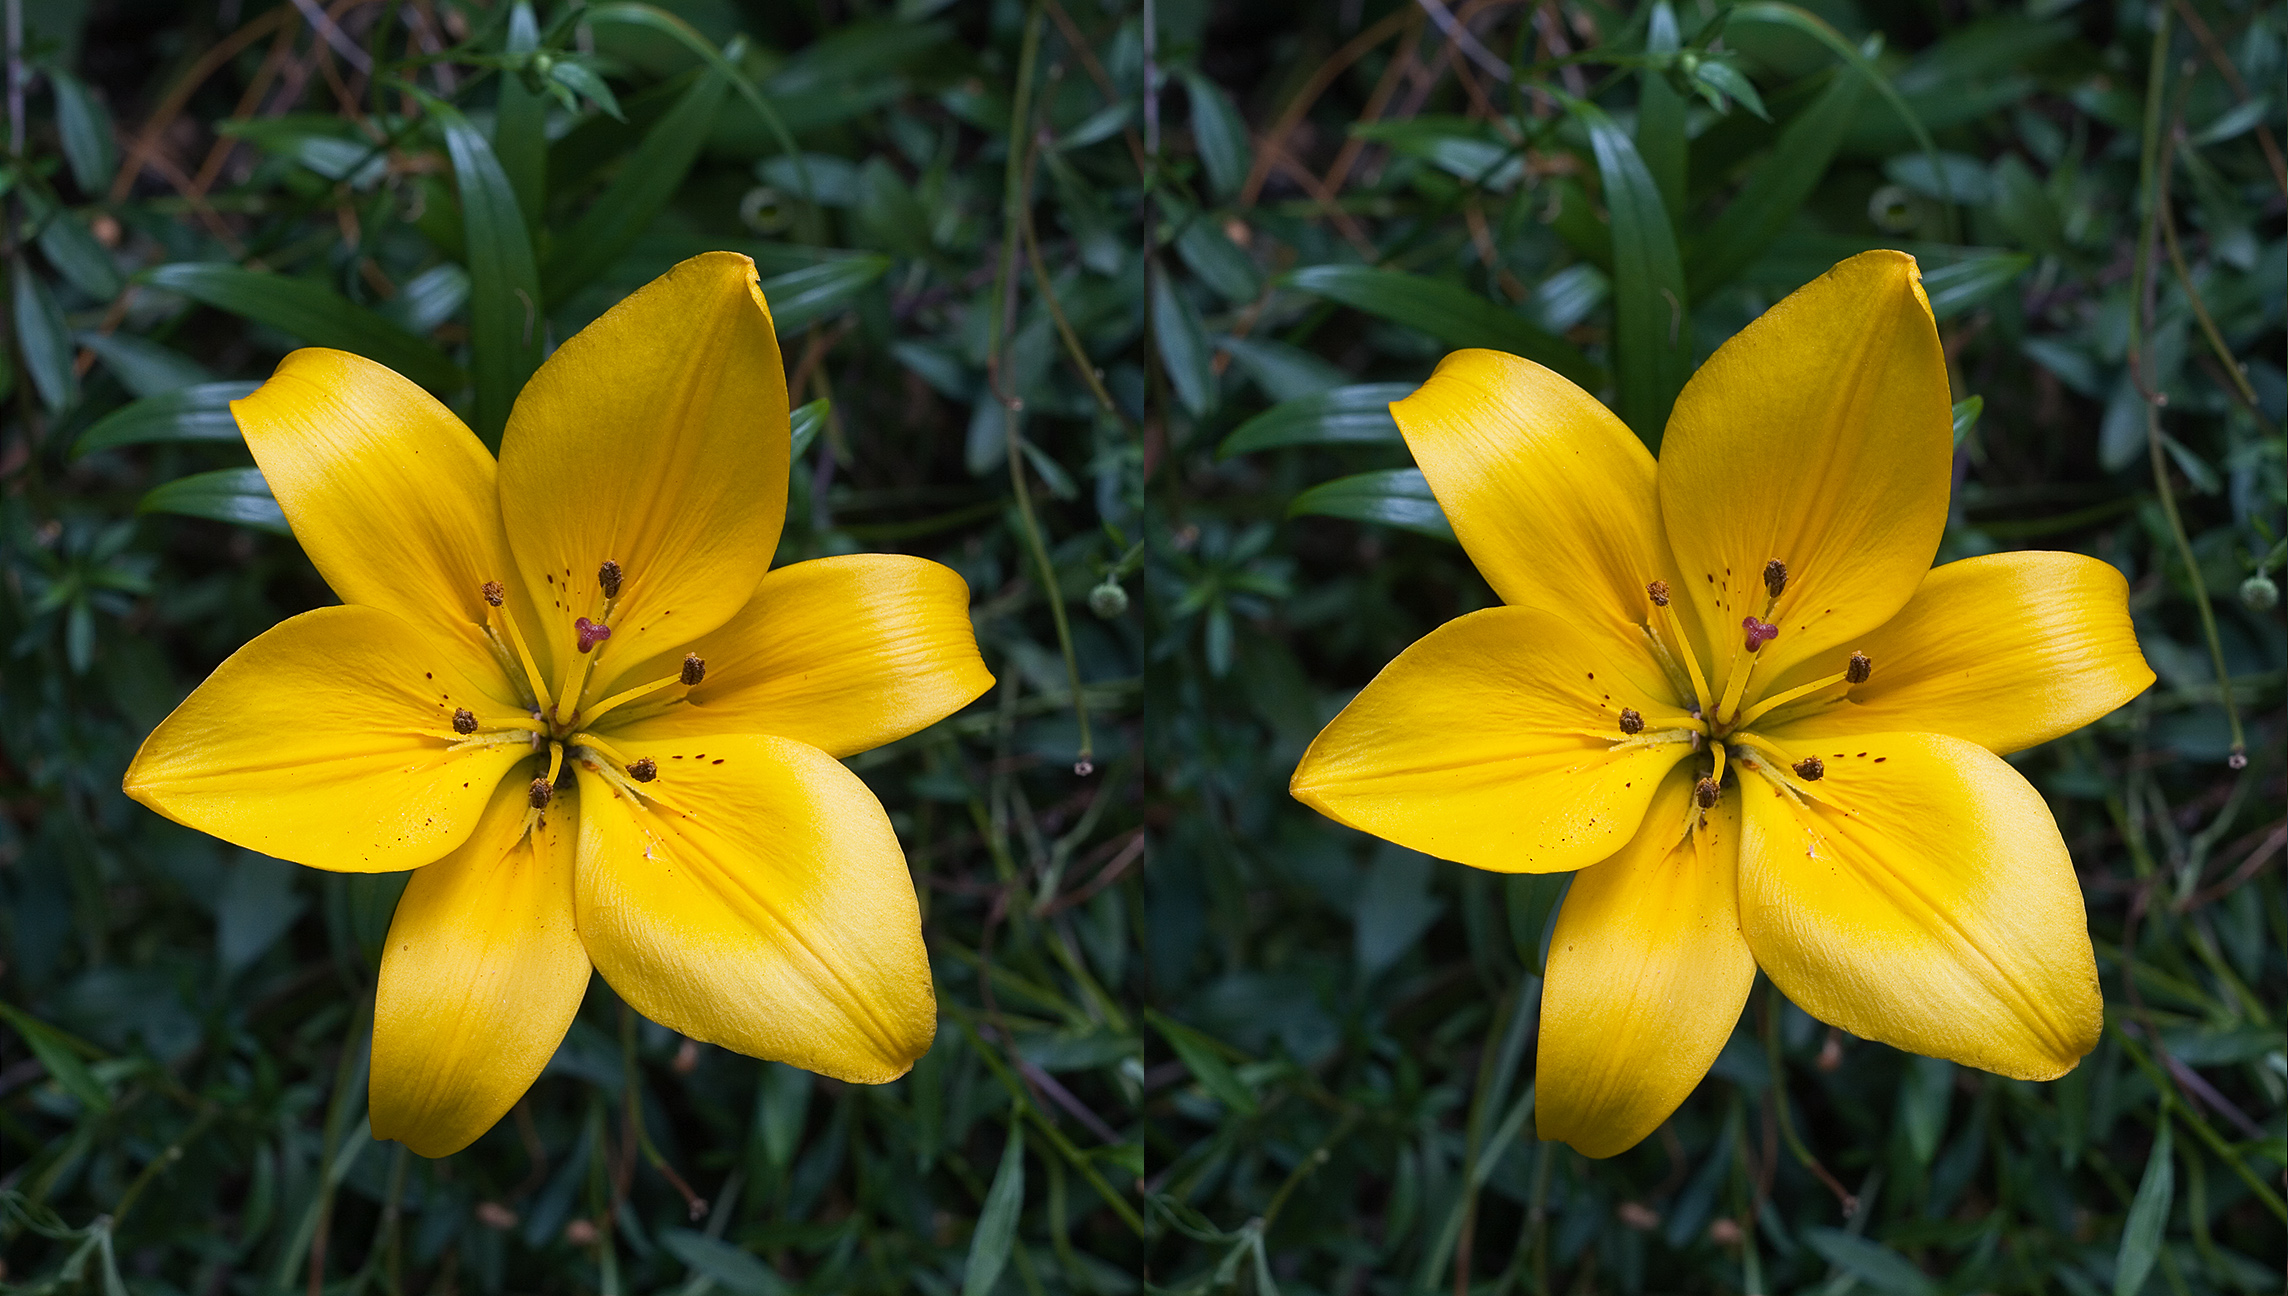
592, 633
1759, 632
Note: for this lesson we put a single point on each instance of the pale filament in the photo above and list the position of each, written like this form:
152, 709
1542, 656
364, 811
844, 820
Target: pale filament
1778, 700
1666, 615
588, 715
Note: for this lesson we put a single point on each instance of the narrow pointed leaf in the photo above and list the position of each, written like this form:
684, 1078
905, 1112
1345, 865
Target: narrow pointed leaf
1396, 497
1346, 415
199, 413
1447, 311
997, 1223
804, 425
646, 181
520, 120
145, 367
84, 128
45, 340
509, 323
86, 264
1652, 313
237, 495
1777, 189
1661, 140
2148, 1216
1184, 350
1218, 134
800, 298
1207, 1065
1872, 1263
55, 1052
312, 313
1963, 285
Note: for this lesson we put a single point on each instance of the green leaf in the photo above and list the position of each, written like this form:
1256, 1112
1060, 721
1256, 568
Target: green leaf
732, 1269
1219, 135
1776, 191
1346, 415
1210, 254
312, 313
800, 298
583, 80
1955, 288
507, 324
1184, 350
55, 1051
2148, 1215
1723, 78
236, 495
1397, 497
1652, 333
1955, 177
997, 1222
654, 170
1446, 311
45, 340
83, 126
1966, 412
1923, 1099
1205, 1061
520, 119
200, 413
1661, 139
1870, 1262
145, 367
1283, 372
804, 425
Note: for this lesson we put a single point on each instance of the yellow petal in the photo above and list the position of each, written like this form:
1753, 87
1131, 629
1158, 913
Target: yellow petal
480, 979
390, 495
1494, 741
2005, 651
844, 654
1924, 899
325, 742
1820, 435
1647, 976
655, 438
760, 902
1551, 495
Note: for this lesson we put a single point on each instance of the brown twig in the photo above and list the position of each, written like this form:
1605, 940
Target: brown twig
1274, 141
147, 143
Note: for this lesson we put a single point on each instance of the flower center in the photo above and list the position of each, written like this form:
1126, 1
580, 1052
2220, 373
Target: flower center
1722, 720
561, 719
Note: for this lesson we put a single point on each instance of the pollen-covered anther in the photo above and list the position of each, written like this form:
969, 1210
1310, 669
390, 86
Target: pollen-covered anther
590, 633
1860, 668
1758, 631
644, 769
464, 721
608, 579
1775, 577
495, 593
1810, 769
1658, 590
1705, 792
694, 669
1631, 722
541, 792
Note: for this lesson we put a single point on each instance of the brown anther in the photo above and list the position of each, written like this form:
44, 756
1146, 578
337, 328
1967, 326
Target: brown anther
694, 669
1659, 592
1775, 577
464, 721
644, 770
1860, 668
1810, 769
1631, 722
1705, 792
608, 576
495, 593
542, 790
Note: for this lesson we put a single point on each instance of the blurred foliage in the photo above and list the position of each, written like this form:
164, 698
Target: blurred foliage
1118, 291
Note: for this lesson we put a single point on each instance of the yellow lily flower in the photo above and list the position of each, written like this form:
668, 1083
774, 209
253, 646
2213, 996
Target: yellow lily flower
1730, 690
566, 689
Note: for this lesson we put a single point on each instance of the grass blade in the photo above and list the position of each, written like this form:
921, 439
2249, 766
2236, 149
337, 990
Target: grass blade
1394, 497
1446, 311
507, 328
1661, 140
653, 172
996, 1231
520, 120
1652, 330
311, 312
2148, 1216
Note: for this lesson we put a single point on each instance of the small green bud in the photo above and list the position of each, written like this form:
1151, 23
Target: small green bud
1108, 600
2259, 594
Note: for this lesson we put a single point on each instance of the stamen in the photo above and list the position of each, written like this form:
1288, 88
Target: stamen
464, 721
590, 633
694, 669
644, 770
1631, 722
1705, 792
499, 620
1810, 769
1775, 577
495, 593
589, 715
1860, 668
1855, 673
608, 578
1759, 632
540, 793
1675, 630
1659, 591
